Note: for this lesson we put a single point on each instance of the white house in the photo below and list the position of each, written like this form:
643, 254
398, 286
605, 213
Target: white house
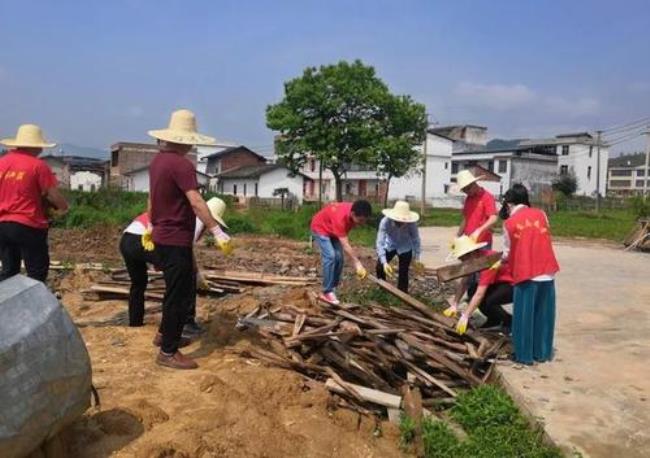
438, 173
85, 181
578, 153
138, 180
260, 181
359, 181
203, 151
535, 162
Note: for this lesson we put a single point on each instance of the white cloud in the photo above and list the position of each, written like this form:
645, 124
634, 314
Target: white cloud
508, 97
494, 96
572, 108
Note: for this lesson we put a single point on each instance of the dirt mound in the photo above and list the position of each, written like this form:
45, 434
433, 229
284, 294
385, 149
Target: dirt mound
231, 406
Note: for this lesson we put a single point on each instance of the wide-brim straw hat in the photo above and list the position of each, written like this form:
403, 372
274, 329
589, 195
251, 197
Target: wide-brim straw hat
217, 208
183, 130
464, 245
401, 213
28, 136
465, 178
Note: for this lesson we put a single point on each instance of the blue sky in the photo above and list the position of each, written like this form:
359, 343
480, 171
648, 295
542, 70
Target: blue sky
95, 72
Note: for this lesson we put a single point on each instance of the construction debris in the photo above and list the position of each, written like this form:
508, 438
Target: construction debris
218, 282
639, 238
368, 354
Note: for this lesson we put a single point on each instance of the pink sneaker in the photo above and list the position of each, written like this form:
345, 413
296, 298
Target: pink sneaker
330, 298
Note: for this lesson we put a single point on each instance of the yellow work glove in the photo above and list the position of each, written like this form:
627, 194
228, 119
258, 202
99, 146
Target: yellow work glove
451, 311
222, 241
147, 240
361, 272
461, 326
418, 267
388, 270
475, 235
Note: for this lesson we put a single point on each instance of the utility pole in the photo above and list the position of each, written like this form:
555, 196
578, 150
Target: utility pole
424, 170
599, 133
647, 162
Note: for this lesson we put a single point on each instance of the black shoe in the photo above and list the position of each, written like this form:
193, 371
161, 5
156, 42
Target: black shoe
192, 329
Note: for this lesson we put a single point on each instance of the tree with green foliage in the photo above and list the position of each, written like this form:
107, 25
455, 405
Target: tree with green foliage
338, 114
566, 183
404, 131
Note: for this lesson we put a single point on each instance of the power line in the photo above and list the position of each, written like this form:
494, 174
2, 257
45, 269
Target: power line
643, 120
624, 137
627, 129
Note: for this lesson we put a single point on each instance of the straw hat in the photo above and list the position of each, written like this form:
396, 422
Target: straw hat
28, 136
217, 208
401, 213
182, 129
465, 178
463, 245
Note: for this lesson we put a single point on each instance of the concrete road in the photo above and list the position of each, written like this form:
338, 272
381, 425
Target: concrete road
594, 397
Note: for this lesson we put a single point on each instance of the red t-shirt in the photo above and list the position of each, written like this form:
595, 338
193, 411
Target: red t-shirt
498, 273
476, 211
333, 220
170, 177
24, 181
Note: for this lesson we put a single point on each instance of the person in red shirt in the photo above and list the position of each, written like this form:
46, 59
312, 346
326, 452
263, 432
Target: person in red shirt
330, 227
27, 185
479, 209
494, 288
174, 203
528, 249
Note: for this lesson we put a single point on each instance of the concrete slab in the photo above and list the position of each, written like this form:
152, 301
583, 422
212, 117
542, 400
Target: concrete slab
595, 396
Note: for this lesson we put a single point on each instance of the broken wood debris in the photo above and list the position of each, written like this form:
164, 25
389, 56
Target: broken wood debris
368, 355
218, 282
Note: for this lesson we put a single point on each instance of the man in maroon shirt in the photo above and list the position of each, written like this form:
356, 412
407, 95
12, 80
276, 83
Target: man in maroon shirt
174, 202
25, 183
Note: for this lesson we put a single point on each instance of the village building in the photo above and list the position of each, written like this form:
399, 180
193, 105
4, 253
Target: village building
138, 180
78, 172
260, 181
626, 175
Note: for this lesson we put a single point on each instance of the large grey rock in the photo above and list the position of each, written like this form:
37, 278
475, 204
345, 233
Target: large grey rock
45, 372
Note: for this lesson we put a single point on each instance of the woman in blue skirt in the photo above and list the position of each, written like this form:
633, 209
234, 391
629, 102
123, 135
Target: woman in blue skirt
529, 252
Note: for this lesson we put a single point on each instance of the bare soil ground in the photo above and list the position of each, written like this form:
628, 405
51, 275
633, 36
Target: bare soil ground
231, 406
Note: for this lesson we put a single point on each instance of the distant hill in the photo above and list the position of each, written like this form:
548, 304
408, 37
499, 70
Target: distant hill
68, 149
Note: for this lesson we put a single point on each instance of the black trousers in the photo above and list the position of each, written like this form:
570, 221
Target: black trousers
497, 294
177, 266
136, 259
23, 243
403, 269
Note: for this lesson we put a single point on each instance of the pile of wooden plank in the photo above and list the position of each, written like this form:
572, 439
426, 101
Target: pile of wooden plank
369, 354
218, 282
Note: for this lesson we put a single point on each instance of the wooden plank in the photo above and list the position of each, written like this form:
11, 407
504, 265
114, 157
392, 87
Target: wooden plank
413, 302
413, 410
366, 394
462, 269
299, 323
430, 378
123, 292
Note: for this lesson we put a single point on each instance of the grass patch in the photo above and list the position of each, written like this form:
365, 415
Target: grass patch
609, 224
494, 426
116, 207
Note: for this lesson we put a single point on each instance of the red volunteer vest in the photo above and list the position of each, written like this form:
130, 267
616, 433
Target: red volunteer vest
531, 251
